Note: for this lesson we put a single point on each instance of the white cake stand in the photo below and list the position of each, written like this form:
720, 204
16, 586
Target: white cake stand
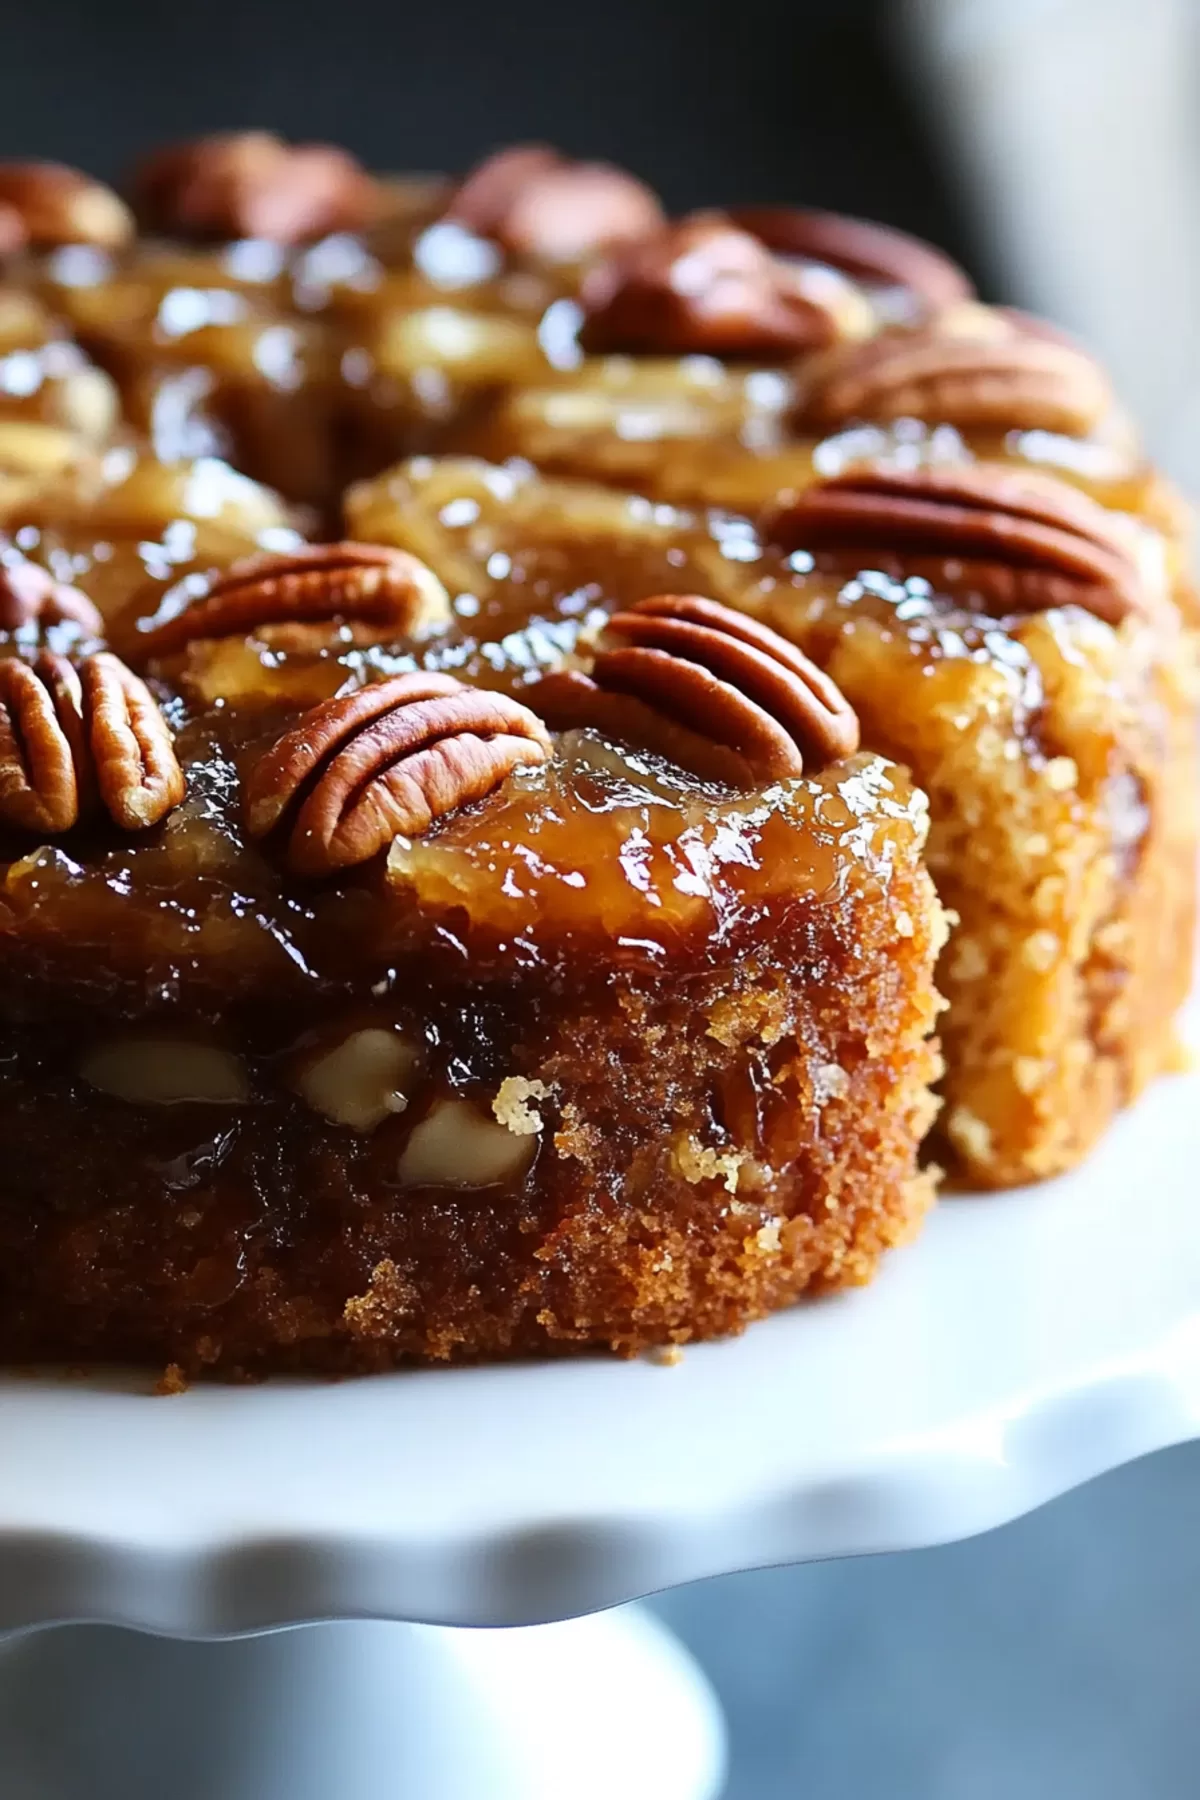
1026, 1343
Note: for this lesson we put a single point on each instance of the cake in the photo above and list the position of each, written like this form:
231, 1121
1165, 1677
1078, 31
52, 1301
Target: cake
503, 700
354, 1016
1043, 695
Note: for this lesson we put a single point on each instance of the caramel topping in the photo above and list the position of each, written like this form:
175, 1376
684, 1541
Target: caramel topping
59, 205
69, 736
971, 366
703, 286
252, 184
869, 252
386, 762
371, 585
544, 206
713, 689
30, 595
1018, 541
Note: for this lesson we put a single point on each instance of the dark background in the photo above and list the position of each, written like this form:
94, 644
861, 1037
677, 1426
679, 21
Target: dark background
714, 101
1055, 1660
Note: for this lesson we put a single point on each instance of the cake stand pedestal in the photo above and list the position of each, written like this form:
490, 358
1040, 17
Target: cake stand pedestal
601, 1708
1025, 1343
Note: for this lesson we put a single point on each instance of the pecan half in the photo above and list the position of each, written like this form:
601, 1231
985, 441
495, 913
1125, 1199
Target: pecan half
13, 235
540, 204
137, 773
385, 762
872, 253
970, 366
1016, 541
59, 205
357, 584
44, 762
252, 184
688, 676
71, 736
30, 595
704, 287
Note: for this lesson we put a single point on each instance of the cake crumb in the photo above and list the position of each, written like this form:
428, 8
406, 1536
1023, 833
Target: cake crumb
697, 1162
389, 1296
511, 1105
172, 1381
971, 1133
829, 1082
667, 1356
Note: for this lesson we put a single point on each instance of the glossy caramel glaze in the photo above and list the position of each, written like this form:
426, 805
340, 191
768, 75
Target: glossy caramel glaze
613, 1056
1058, 753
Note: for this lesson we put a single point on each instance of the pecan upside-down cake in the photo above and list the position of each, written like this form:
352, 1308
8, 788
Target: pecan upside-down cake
504, 698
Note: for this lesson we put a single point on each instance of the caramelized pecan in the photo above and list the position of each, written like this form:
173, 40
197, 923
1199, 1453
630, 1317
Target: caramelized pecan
13, 235
703, 286
970, 366
30, 595
872, 253
43, 748
714, 690
543, 205
58, 205
357, 584
69, 737
1015, 541
137, 774
486, 192
386, 762
252, 184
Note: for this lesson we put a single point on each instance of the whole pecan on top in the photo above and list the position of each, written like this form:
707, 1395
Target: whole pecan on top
703, 286
872, 253
538, 203
253, 184
71, 737
970, 366
715, 691
60, 205
13, 235
1011, 540
384, 762
359, 585
30, 595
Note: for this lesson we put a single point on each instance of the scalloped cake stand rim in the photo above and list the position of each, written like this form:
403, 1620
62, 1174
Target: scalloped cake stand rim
1025, 1343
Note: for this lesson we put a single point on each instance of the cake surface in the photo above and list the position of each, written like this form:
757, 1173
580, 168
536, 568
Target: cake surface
607, 1052
504, 698
1057, 748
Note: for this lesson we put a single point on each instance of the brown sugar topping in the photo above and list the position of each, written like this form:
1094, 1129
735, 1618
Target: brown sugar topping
359, 584
70, 737
1020, 542
252, 184
385, 762
868, 252
702, 286
971, 366
688, 676
543, 205
30, 595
